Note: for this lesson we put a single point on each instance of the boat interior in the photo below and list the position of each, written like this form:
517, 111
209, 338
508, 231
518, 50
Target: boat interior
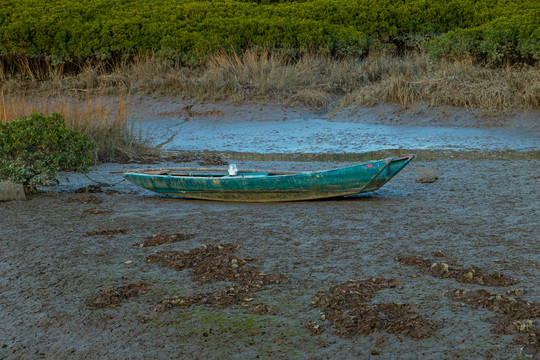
212, 174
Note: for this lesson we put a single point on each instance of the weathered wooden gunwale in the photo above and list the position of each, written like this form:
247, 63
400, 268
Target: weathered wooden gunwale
268, 185
186, 170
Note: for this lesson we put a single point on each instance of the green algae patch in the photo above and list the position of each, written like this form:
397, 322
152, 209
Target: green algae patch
224, 332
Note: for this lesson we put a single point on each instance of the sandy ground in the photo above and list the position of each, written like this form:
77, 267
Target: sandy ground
62, 249
482, 213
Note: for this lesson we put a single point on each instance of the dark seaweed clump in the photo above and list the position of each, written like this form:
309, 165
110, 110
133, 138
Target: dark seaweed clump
444, 270
210, 263
347, 307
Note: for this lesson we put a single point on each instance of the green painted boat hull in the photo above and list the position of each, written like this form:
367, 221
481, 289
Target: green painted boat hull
246, 187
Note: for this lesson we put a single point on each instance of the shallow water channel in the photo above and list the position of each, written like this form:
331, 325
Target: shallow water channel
287, 131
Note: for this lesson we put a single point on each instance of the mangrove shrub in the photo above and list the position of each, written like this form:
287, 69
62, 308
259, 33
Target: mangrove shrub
35, 148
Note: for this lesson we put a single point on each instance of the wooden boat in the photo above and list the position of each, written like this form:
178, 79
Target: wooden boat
267, 186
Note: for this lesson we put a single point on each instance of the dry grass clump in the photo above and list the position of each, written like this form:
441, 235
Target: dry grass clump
415, 80
316, 80
104, 119
466, 85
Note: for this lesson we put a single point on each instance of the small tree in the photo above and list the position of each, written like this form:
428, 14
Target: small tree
33, 149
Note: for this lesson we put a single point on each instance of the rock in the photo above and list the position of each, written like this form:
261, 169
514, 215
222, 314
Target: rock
445, 267
10, 191
425, 174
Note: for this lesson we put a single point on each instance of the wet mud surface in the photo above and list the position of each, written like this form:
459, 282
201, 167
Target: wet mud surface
107, 232
175, 157
306, 280
97, 211
91, 199
514, 315
160, 239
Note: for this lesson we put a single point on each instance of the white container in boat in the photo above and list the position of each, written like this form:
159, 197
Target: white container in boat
233, 170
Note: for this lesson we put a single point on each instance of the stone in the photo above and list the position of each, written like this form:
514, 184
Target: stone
425, 174
11, 191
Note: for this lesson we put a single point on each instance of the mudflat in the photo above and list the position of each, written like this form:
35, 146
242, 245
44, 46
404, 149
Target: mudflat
442, 270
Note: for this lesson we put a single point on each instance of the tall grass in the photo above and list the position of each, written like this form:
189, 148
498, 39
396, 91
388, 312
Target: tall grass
104, 119
316, 80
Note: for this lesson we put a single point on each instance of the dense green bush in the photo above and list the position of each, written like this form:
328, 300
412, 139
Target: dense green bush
190, 30
505, 40
33, 149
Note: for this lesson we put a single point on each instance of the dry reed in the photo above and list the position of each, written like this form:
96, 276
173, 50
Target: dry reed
314, 79
104, 119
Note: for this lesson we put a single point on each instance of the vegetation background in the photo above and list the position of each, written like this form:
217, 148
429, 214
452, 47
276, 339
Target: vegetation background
63, 31
68, 56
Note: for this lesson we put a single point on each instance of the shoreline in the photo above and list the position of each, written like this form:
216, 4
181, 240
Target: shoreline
271, 131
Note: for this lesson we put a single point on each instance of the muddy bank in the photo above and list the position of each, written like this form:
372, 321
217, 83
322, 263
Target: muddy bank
478, 214
270, 128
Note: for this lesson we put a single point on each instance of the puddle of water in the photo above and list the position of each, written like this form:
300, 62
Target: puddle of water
313, 135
